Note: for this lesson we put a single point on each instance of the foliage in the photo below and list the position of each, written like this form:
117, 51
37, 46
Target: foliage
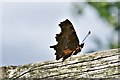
108, 11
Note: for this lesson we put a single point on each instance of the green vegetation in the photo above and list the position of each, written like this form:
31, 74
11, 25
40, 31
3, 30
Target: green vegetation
108, 11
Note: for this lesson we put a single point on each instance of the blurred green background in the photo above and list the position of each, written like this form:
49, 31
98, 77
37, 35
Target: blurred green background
107, 11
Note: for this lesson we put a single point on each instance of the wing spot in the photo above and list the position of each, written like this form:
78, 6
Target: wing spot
67, 51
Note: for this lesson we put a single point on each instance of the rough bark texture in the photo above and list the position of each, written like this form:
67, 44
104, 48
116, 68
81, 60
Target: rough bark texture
103, 64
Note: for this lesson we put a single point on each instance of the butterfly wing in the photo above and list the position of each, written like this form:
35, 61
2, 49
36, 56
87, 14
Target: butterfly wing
67, 40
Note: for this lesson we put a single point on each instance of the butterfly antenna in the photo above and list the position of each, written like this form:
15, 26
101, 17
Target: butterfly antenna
86, 36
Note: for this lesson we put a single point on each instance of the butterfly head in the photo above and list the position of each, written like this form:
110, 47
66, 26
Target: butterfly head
81, 45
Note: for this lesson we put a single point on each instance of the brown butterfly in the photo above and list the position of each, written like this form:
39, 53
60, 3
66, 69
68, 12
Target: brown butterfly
68, 42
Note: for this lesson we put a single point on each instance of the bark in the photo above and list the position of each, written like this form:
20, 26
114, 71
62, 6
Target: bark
103, 64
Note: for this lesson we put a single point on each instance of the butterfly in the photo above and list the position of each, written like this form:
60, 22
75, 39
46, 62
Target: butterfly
68, 42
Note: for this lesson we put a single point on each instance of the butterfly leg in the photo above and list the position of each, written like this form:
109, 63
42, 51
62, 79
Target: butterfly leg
72, 55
